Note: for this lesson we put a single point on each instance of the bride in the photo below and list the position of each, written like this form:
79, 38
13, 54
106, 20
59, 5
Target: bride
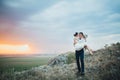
80, 42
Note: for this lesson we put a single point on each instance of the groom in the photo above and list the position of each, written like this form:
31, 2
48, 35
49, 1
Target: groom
79, 54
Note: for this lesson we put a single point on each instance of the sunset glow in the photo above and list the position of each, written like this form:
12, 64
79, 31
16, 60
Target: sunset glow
47, 26
14, 49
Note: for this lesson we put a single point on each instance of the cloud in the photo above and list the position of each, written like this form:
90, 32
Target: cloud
20, 4
64, 18
115, 17
66, 14
52, 26
64, 10
97, 42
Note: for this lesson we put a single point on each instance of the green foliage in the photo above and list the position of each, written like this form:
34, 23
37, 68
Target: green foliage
71, 57
21, 63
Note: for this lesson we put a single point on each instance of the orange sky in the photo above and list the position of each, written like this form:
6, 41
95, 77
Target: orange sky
14, 49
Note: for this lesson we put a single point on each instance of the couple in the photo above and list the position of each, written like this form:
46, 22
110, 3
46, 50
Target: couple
80, 45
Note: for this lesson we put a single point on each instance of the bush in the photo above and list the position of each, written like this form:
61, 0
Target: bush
71, 58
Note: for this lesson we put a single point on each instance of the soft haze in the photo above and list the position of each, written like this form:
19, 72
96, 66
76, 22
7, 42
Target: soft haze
48, 25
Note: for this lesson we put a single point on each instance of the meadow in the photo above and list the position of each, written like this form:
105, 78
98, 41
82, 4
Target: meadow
8, 64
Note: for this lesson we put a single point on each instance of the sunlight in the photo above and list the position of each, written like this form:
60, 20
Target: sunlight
14, 49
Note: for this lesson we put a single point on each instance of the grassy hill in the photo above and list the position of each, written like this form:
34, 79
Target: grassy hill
103, 65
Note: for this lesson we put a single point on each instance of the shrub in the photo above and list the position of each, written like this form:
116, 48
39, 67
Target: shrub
71, 57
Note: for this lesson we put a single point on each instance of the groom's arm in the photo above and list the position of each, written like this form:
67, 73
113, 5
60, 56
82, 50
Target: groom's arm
75, 41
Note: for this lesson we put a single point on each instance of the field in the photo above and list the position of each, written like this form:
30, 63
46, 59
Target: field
8, 64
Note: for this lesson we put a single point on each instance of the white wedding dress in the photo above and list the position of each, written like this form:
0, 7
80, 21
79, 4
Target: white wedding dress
80, 44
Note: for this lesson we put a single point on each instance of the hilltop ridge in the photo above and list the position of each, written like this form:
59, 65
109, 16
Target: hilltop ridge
103, 65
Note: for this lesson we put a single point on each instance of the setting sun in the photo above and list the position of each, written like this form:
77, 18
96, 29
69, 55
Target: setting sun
14, 49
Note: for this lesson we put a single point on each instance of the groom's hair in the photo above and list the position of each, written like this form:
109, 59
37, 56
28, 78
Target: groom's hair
82, 34
76, 33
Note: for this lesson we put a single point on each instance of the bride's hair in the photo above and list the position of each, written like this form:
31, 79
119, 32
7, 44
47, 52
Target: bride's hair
76, 33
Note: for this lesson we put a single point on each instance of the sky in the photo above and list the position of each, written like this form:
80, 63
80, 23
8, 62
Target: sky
47, 26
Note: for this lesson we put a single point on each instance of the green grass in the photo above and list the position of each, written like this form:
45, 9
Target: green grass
8, 64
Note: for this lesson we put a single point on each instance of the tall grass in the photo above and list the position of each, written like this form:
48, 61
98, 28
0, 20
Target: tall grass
21, 63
